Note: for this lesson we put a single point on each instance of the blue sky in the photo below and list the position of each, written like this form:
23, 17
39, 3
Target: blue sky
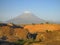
44, 9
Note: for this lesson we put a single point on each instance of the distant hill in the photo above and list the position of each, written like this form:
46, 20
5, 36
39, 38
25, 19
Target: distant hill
26, 18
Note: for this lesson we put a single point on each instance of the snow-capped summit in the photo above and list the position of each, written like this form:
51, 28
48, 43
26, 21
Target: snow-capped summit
27, 12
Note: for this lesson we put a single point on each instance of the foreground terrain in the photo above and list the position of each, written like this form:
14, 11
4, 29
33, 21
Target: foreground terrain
29, 34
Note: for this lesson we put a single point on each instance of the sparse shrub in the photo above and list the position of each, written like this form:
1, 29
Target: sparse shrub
33, 24
41, 23
48, 31
47, 22
4, 38
20, 42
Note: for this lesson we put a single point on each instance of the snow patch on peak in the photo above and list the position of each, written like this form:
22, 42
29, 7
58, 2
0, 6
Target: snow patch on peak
27, 12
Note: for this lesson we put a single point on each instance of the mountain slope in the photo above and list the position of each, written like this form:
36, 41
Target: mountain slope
26, 18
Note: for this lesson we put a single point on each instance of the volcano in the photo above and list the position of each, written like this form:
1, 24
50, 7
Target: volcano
26, 18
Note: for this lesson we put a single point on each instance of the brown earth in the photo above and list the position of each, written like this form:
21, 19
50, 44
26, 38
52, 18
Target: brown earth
46, 33
42, 27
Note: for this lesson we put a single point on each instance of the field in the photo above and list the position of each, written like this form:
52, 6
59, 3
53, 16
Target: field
30, 34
